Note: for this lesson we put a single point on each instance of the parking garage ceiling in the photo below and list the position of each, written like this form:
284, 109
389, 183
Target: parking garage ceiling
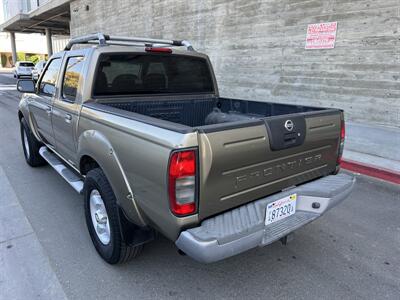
54, 15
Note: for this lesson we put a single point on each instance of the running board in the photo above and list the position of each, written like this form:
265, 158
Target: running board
69, 176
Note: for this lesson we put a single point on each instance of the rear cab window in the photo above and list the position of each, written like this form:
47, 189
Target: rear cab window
26, 64
136, 74
48, 83
72, 77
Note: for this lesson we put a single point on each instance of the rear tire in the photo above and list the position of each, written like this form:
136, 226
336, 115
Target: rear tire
30, 146
102, 220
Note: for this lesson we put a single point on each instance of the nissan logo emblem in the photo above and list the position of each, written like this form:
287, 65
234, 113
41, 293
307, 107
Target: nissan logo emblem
289, 125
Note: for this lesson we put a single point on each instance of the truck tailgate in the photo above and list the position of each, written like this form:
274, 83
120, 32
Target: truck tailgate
242, 164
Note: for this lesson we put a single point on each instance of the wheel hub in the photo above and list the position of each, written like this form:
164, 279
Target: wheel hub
99, 217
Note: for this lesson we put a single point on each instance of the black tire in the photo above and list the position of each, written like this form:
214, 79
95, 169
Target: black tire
116, 251
31, 148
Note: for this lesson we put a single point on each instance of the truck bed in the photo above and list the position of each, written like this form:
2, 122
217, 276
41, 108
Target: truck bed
206, 111
245, 148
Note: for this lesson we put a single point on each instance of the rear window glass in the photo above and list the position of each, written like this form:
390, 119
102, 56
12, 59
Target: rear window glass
26, 64
128, 74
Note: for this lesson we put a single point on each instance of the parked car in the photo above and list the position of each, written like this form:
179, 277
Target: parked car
23, 68
37, 70
143, 134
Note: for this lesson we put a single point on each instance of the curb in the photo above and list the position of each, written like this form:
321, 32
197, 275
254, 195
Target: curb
371, 170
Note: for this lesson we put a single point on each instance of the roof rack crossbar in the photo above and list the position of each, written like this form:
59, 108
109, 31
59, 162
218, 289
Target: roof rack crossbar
103, 39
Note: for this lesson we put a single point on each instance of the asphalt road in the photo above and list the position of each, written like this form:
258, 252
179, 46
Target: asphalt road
353, 252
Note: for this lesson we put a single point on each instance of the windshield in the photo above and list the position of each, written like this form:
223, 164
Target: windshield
129, 74
26, 64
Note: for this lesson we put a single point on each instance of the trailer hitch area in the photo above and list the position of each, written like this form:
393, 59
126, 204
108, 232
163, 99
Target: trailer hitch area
287, 238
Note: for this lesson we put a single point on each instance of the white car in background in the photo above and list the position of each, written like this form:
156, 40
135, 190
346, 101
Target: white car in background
23, 68
37, 70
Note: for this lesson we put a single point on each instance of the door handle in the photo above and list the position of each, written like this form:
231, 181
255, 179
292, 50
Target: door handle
68, 118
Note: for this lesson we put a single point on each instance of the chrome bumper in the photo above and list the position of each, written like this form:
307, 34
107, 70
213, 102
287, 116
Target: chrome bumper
243, 228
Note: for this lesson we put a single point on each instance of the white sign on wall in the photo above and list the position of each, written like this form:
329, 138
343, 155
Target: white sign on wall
321, 35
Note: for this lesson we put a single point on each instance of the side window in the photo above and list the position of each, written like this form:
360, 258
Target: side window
72, 76
48, 84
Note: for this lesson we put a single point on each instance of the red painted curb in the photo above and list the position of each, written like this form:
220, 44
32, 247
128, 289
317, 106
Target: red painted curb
370, 170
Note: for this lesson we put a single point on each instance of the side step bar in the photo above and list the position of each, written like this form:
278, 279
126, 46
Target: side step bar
69, 176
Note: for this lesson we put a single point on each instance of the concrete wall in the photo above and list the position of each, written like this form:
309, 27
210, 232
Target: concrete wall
257, 47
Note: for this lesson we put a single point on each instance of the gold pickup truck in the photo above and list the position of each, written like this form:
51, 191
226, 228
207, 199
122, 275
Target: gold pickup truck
138, 127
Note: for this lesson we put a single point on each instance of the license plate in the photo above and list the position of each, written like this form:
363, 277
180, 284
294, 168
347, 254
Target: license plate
281, 209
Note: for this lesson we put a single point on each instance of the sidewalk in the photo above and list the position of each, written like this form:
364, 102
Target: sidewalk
373, 150
25, 270
5, 70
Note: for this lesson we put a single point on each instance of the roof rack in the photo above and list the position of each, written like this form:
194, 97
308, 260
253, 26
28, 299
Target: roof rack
104, 39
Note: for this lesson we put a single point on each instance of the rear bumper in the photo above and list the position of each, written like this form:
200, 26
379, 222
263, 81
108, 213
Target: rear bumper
243, 228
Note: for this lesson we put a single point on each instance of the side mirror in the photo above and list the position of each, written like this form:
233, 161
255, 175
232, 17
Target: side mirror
26, 86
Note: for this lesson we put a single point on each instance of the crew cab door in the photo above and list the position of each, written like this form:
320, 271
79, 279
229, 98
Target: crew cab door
41, 104
66, 106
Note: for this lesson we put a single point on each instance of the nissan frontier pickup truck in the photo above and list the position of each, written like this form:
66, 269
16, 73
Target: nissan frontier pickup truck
137, 126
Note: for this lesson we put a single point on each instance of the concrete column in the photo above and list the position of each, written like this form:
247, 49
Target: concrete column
49, 43
13, 47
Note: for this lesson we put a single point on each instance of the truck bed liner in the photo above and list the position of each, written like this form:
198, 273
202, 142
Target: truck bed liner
194, 112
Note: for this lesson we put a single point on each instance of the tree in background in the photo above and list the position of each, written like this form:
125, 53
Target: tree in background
28, 57
33, 58
3, 60
20, 56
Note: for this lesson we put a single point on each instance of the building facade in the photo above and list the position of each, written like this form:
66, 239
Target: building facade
258, 47
32, 29
258, 50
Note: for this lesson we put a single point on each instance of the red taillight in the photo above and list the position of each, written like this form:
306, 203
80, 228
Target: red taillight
342, 137
342, 131
182, 182
158, 49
